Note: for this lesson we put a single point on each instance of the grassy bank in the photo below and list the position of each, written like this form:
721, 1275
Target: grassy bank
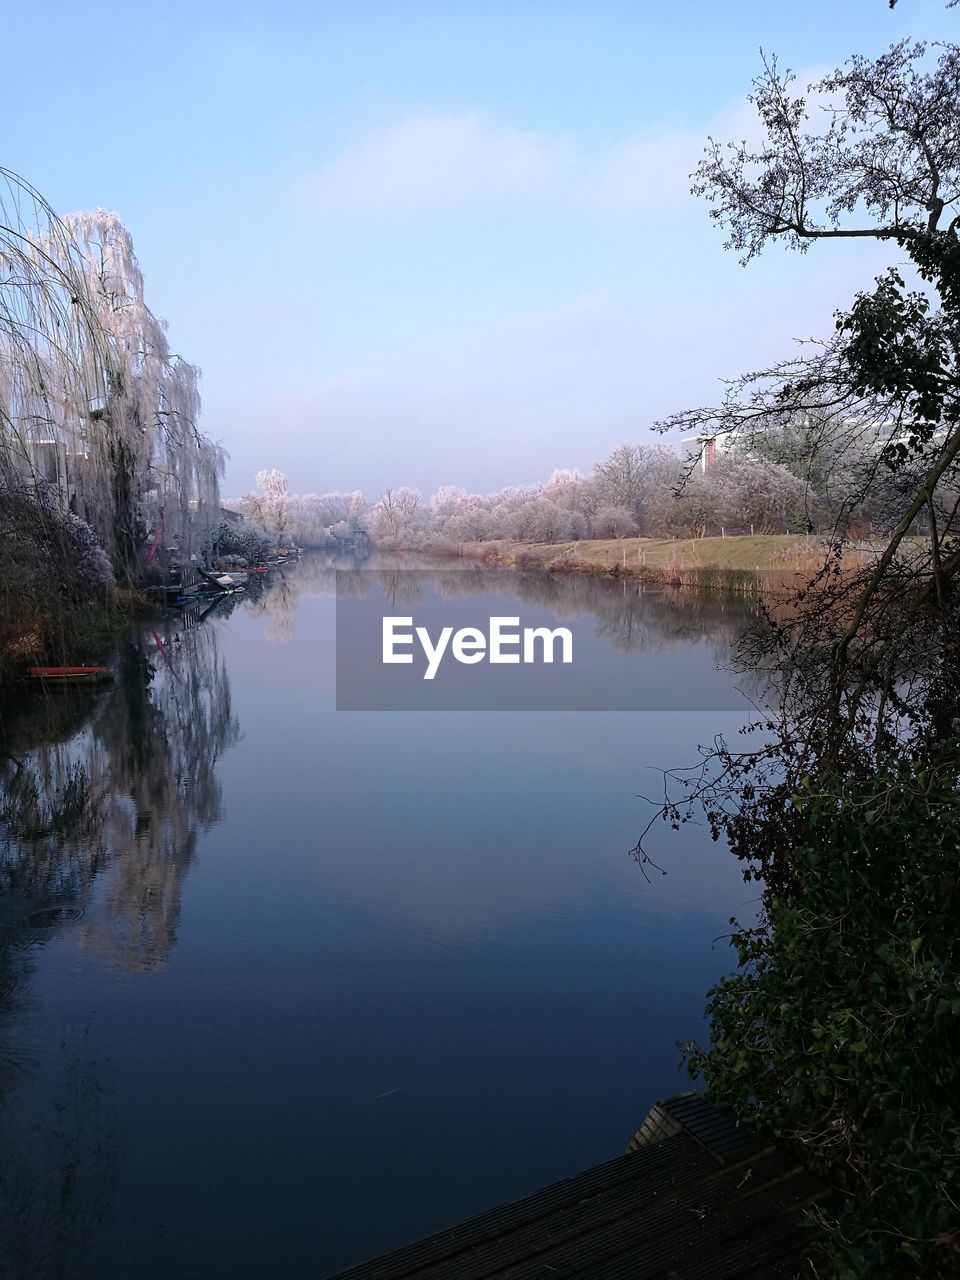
629, 555
732, 564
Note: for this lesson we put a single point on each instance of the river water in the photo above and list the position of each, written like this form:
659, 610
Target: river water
283, 986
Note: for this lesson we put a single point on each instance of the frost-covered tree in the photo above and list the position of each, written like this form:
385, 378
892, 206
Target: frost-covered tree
94, 407
273, 506
53, 353
630, 477
398, 513
144, 458
307, 518
871, 151
620, 476
744, 493
614, 522
245, 544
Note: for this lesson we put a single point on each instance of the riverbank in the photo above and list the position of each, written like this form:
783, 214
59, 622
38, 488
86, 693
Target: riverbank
66, 633
740, 564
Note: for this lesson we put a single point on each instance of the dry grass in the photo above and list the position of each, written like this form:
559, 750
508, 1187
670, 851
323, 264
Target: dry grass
759, 552
773, 566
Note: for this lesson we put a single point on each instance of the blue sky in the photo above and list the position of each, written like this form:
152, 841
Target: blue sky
433, 243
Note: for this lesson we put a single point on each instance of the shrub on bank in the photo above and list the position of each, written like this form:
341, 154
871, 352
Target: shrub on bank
839, 1036
57, 591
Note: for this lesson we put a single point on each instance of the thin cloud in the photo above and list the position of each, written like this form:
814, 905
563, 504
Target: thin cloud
433, 162
650, 169
437, 161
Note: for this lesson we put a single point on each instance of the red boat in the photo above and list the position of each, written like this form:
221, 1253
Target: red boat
70, 675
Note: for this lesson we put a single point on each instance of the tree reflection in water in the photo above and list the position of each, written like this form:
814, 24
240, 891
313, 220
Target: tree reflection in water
102, 796
114, 789
631, 618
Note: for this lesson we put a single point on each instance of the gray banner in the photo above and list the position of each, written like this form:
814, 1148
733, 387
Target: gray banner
415, 641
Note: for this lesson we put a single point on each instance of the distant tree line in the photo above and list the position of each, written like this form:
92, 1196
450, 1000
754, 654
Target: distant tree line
313, 520
788, 476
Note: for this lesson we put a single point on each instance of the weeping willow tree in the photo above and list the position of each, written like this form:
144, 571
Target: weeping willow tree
98, 417
53, 353
146, 461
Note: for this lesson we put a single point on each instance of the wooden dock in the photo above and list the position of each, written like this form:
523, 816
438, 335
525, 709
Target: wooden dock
694, 1198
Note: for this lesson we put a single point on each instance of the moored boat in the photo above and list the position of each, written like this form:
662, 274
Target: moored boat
70, 675
219, 582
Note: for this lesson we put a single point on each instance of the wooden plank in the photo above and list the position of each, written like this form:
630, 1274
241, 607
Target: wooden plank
656, 1126
696, 1198
720, 1247
718, 1132
572, 1222
639, 1225
494, 1222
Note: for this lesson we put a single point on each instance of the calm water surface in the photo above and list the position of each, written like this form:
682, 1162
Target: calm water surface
282, 987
